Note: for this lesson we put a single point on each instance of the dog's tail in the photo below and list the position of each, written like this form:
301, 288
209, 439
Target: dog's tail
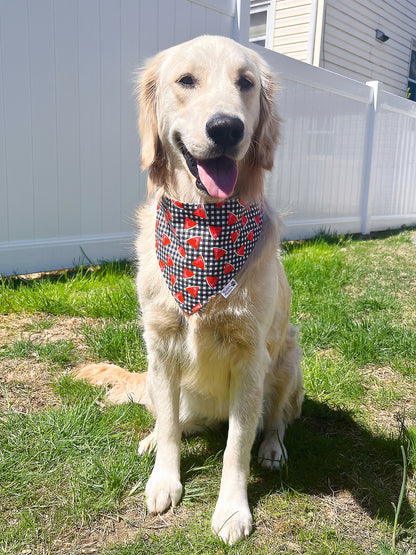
127, 386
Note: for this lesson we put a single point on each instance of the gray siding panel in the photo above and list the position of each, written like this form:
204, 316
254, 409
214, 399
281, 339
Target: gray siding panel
349, 46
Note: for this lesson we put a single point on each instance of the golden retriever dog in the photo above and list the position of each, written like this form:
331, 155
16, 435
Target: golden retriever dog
214, 297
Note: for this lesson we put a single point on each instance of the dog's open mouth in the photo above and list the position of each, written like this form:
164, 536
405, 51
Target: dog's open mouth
215, 176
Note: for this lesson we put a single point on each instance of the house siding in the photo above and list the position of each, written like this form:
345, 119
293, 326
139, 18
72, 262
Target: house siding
292, 27
349, 46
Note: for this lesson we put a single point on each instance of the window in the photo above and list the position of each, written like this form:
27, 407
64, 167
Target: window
261, 22
411, 84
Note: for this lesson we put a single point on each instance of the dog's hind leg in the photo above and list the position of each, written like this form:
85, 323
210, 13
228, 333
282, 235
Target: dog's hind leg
148, 444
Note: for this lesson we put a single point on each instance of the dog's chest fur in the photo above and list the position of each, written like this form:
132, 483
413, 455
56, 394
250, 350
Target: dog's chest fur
204, 346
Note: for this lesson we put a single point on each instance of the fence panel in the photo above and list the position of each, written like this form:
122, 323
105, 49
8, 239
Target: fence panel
392, 200
319, 166
70, 177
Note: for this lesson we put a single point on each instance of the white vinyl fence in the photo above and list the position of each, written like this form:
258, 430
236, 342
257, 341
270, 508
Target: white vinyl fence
392, 198
347, 159
70, 176
69, 166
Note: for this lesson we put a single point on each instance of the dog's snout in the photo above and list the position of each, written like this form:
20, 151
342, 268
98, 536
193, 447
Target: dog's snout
225, 130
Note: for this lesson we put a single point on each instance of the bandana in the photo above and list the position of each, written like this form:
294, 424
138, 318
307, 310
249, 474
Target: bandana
201, 247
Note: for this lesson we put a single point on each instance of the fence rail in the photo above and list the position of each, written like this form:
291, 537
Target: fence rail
69, 165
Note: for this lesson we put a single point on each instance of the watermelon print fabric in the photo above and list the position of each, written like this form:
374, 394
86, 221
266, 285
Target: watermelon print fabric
201, 247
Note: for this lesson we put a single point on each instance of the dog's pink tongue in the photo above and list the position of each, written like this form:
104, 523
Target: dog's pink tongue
218, 175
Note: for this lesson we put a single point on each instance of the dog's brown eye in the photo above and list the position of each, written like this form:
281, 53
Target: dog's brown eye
244, 84
187, 81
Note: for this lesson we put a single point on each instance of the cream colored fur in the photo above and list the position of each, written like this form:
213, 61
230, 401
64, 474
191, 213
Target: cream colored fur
237, 359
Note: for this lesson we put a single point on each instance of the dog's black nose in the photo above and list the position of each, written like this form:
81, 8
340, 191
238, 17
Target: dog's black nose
225, 130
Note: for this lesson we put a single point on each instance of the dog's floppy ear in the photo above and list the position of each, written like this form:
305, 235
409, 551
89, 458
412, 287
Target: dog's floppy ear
147, 88
267, 134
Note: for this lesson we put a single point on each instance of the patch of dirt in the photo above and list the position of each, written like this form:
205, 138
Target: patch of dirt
11, 326
381, 380
42, 328
121, 528
25, 383
344, 513
338, 512
25, 386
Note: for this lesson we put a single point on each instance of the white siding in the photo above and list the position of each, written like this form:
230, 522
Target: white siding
349, 46
292, 28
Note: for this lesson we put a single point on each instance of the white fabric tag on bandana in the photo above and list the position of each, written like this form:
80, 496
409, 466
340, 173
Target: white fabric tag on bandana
229, 288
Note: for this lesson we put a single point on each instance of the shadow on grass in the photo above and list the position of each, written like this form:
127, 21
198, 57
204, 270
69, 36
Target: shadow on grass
328, 452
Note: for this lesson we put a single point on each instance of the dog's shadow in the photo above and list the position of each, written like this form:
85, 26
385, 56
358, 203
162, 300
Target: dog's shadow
329, 452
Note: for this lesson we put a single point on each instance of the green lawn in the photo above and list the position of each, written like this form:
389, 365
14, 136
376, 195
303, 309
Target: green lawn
70, 479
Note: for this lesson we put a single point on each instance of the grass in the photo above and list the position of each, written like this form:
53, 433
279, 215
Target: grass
103, 292
70, 479
119, 342
60, 353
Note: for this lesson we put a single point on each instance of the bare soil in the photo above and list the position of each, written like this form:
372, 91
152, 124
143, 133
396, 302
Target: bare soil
26, 383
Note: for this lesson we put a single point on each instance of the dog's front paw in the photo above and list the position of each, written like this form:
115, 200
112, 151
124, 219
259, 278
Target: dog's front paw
162, 491
232, 521
272, 453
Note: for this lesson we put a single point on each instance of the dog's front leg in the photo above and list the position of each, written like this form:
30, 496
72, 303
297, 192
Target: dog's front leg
164, 487
232, 517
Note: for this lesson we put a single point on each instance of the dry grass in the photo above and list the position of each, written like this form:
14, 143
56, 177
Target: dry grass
25, 387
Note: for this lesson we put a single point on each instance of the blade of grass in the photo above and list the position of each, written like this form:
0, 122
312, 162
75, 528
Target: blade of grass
401, 496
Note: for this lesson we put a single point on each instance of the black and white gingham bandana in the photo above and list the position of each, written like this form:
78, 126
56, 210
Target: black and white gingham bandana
201, 247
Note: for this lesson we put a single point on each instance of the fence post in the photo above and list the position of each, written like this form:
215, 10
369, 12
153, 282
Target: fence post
241, 29
368, 158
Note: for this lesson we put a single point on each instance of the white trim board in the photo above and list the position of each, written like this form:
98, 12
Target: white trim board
25, 257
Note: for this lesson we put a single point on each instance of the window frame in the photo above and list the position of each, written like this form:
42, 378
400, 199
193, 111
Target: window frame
267, 6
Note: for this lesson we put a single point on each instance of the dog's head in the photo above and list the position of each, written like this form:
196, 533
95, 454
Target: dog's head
207, 120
